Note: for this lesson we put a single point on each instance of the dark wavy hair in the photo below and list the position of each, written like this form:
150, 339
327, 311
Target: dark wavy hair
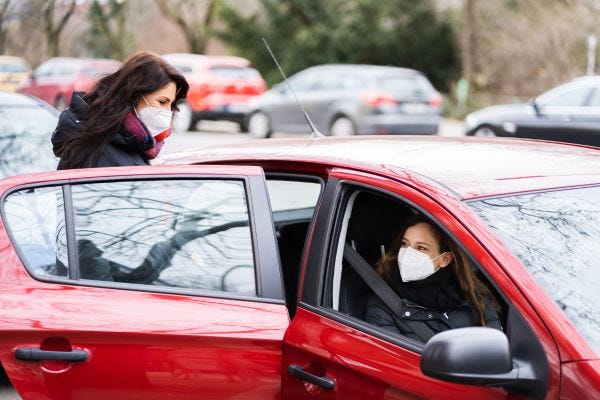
112, 98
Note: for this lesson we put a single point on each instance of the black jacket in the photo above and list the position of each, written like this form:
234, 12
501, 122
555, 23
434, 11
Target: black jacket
379, 314
122, 150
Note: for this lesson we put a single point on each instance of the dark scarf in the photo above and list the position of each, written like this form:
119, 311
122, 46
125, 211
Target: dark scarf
439, 292
147, 145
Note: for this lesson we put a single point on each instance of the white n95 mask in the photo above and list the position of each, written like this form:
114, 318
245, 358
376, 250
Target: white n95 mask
415, 265
157, 120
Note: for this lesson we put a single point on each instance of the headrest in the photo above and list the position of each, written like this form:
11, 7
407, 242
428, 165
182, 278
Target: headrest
376, 218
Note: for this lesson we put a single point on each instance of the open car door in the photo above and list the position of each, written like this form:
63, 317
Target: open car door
141, 283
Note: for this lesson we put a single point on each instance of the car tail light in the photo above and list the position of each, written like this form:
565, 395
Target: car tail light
378, 98
435, 100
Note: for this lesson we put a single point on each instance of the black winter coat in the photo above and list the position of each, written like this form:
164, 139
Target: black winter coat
122, 150
379, 314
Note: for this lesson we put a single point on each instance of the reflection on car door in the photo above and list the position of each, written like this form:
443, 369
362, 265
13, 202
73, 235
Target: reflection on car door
160, 285
331, 354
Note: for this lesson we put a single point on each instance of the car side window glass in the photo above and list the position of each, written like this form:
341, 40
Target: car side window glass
329, 82
301, 83
382, 238
594, 100
569, 98
191, 234
36, 222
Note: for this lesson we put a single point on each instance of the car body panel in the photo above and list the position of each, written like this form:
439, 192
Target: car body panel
472, 168
244, 348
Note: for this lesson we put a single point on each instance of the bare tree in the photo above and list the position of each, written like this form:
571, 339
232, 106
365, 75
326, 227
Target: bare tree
194, 18
4, 19
53, 25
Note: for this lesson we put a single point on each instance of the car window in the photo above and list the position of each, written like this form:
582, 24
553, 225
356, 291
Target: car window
183, 233
12, 67
329, 82
572, 97
25, 139
429, 298
408, 85
234, 72
555, 235
36, 221
594, 100
44, 69
302, 82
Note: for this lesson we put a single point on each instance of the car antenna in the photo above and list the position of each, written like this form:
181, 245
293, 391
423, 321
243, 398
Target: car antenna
315, 133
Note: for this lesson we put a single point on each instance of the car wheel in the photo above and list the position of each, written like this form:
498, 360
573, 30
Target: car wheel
183, 119
60, 103
485, 131
342, 126
259, 125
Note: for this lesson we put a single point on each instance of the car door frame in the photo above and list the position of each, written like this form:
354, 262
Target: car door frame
362, 360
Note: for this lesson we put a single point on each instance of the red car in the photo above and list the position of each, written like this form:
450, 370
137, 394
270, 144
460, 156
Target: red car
55, 80
220, 86
228, 277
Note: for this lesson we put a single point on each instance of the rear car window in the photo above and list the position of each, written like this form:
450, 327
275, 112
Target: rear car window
409, 85
234, 72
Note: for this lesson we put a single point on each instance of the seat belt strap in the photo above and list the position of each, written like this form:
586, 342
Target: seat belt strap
385, 293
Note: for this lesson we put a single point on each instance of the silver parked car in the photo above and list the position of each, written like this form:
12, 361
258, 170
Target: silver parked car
345, 99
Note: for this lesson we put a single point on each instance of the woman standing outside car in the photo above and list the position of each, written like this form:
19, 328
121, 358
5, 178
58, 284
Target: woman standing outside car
435, 281
124, 119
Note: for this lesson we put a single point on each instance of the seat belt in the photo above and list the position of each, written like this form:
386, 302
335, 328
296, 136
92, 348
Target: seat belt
385, 293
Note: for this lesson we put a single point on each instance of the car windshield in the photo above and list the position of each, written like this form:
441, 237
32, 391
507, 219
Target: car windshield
25, 140
555, 235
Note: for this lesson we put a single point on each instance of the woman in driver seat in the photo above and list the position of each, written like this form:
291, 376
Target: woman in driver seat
435, 281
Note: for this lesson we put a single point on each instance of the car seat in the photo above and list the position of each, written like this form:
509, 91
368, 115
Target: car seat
374, 222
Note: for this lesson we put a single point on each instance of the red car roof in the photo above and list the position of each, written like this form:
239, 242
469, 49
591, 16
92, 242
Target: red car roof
471, 167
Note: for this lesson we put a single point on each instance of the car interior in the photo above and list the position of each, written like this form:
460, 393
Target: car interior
371, 221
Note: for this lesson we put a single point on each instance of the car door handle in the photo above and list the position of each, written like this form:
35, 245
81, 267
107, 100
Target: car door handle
322, 381
35, 354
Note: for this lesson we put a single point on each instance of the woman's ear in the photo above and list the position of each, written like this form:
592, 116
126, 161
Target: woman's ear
446, 259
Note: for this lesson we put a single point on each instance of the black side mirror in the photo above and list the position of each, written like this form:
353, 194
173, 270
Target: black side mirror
483, 357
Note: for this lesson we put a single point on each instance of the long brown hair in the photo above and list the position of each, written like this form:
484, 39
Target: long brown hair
112, 98
471, 287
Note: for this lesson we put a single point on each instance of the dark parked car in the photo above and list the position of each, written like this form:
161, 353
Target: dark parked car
26, 124
347, 100
567, 113
55, 80
244, 280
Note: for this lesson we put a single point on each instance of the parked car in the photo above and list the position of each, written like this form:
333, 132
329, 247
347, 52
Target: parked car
347, 100
13, 70
26, 124
55, 80
567, 113
220, 86
231, 276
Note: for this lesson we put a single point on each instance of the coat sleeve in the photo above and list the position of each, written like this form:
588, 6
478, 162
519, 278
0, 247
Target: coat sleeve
379, 314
